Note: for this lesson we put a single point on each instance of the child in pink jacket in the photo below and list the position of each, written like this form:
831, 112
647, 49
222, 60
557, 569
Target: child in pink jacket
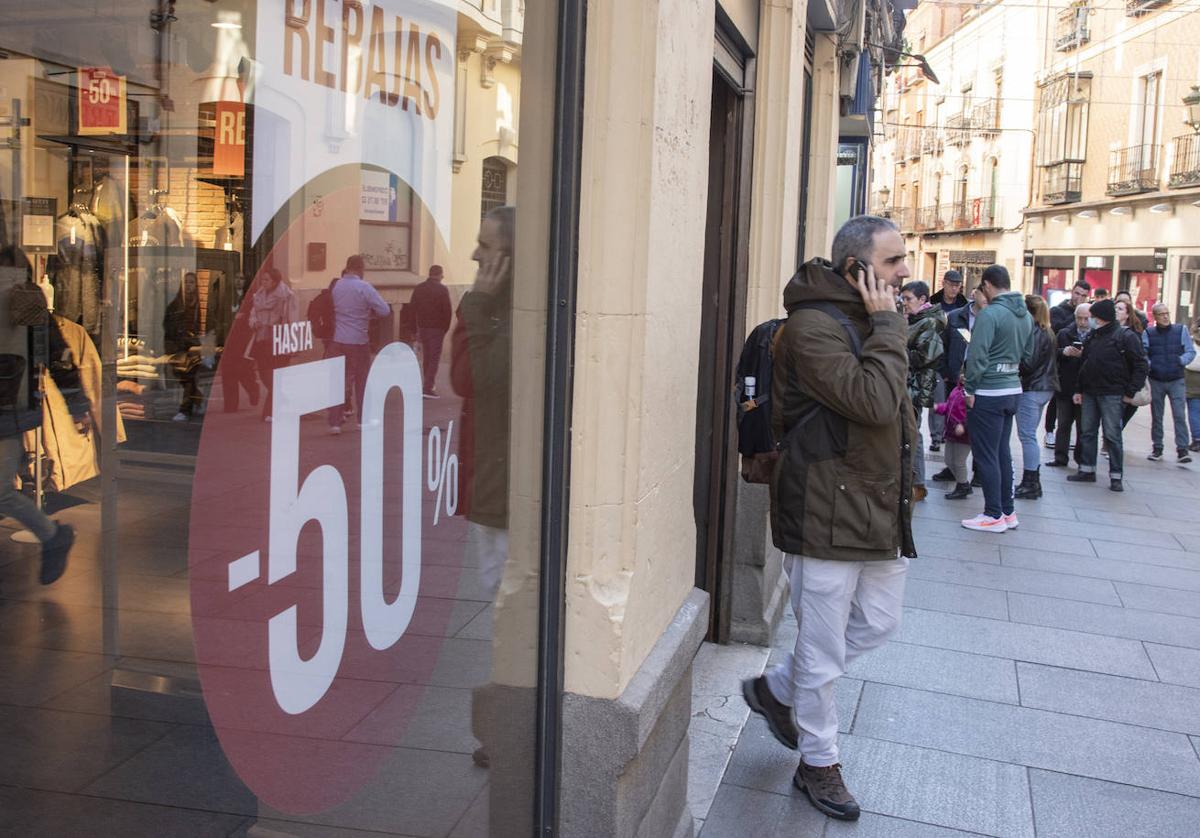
958, 442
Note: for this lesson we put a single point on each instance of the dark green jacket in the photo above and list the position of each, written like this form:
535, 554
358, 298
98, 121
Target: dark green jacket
850, 499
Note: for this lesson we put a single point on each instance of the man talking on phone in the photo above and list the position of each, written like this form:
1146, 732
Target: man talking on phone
841, 497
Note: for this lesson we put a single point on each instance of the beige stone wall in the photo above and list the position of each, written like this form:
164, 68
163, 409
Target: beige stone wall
644, 173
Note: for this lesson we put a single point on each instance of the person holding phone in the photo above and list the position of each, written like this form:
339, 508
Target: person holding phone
842, 515
1070, 354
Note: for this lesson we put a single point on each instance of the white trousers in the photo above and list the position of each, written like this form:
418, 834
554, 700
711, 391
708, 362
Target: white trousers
843, 610
487, 547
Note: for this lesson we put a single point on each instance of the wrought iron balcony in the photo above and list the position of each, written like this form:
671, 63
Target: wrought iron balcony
1133, 8
1072, 29
958, 130
1132, 170
1185, 170
971, 214
985, 118
931, 141
1062, 183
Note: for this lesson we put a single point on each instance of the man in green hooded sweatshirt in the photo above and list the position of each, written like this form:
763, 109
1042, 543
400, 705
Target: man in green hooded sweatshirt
1002, 338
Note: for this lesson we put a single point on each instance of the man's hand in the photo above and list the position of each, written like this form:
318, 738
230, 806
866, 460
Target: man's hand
1127, 399
970, 400
1073, 352
1077, 398
959, 429
83, 423
877, 295
489, 279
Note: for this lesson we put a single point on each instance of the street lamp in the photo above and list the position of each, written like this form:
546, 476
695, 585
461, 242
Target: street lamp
1192, 103
884, 195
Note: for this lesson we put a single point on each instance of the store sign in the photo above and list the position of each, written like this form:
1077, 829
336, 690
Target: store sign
379, 197
307, 551
1027, 261
353, 83
229, 140
37, 223
101, 101
1160, 259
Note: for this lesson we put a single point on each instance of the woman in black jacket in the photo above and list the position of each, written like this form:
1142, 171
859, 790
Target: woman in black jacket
1039, 380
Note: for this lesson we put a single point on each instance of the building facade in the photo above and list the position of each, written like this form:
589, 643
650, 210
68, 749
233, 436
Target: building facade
1091, 166
324, 584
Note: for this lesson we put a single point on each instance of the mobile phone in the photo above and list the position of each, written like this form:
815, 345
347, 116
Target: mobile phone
856, 271
1078, 344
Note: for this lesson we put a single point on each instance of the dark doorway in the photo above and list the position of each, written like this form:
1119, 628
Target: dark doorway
722, 332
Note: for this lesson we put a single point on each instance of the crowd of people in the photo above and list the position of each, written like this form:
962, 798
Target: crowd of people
1001, 359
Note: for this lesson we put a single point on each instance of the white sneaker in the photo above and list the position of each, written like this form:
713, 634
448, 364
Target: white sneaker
1011, 521
179, 417
1049, 439
336, 430
986, 523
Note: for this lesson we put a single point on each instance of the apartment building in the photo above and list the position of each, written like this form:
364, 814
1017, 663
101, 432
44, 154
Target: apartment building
954, 168
1118, 157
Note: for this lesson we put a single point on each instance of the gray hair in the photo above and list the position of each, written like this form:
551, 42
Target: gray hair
857, 238
917, 288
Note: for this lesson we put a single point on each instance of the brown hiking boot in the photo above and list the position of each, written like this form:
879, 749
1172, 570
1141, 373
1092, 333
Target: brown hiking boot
778, 715
827, 791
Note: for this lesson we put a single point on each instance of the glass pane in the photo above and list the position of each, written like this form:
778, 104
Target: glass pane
295, 325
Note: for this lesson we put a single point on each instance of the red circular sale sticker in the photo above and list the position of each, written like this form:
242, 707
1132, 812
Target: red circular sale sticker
314, 633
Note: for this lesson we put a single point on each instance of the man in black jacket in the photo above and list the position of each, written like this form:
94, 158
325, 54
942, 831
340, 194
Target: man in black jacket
959, 320
1062, 316
1070, 356
1112, 369
433, 312
950, 297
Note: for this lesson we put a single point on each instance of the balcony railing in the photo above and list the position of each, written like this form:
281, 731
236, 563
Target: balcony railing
902, 217
958, 129
1132, 170
985, 118
1062, 183
1133, 8
970, 214
912, 147
1185, 171
931, 141
1072, 29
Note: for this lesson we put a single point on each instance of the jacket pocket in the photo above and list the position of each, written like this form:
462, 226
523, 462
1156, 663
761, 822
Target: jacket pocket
865, 508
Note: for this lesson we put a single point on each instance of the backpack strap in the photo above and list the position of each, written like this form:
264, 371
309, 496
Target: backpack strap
840, 316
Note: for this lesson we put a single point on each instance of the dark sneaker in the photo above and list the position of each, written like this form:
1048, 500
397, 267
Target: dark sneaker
778, 715
827, 791
961, 490
1184, 457
1115, 485
935, 447
1155, 455
943, 476
1058, 464
1082, 477
54, 554
1195, 447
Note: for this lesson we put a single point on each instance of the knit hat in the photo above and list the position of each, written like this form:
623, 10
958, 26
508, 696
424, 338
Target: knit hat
435, 272
1105, 310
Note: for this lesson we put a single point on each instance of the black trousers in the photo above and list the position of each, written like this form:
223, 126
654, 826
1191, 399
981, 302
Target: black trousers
1069, 415
1052, 415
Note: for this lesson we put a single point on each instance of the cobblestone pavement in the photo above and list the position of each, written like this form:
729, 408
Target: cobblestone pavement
1045, 682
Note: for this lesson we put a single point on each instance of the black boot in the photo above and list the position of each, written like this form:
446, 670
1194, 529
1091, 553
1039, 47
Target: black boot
961, 490
943, 476
1031, 486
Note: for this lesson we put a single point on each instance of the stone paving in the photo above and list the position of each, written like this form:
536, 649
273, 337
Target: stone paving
1045, 682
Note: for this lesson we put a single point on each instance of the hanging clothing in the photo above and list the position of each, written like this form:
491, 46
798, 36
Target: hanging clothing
159, 226
107, 203
220, 307
72, 457
78, 274
229, 235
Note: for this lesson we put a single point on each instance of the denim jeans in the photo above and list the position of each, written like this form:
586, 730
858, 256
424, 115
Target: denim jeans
1029, 417
358, 364
1194, 418
990, 424
937, 422
919, 454
13, 504
1176, 391
1098, 410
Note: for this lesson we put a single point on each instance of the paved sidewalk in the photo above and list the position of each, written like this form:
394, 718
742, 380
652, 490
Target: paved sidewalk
1045, 682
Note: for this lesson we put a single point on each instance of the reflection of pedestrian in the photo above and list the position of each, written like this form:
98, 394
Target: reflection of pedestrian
274, 305
236, 370
431, 309
479, 372
355, 301
20, 413
181, 337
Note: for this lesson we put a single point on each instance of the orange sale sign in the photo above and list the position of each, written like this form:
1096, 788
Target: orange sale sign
101, 101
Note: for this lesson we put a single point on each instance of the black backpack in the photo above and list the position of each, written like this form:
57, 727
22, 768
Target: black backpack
756, 440
320, 313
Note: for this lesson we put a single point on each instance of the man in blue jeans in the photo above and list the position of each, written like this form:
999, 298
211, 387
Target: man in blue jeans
1111, 371
355, 302
1169, 349
1001, 339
